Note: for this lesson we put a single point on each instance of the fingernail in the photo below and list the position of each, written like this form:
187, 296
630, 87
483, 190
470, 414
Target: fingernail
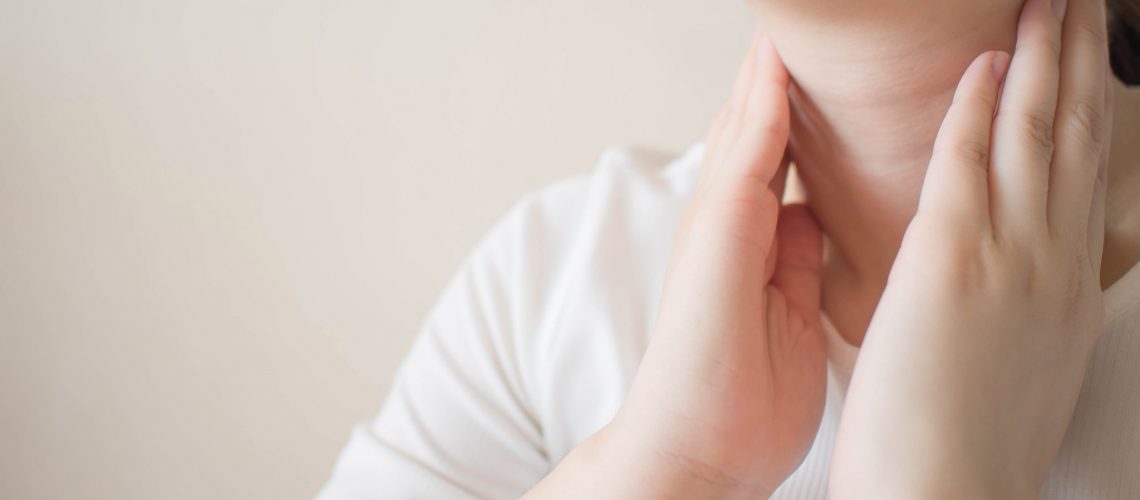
1000, 64
1059, 8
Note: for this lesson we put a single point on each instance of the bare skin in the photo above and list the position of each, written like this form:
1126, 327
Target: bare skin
729, 394
872, 81
971, 367
727, 399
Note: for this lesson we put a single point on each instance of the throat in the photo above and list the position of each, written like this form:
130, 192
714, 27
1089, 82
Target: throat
867, 100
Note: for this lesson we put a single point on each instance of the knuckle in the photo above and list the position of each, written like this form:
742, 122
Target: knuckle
765, 123
963, 268
1086, 122
1037, 131
968, 270
1091, 33
965, 151
1027, 282
1052, 46
741, 218
978, 100
1020, 276
1045, 42
1075, 283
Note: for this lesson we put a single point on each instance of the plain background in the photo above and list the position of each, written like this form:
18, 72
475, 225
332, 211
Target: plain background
222, 221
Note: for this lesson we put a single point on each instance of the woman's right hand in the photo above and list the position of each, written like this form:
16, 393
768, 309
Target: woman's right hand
728, 398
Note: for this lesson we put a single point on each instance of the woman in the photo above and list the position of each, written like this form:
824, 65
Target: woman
577, 355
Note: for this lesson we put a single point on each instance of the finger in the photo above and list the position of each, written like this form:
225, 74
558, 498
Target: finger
711, 154
717, 139
743, 84
1023, 129
800, 259
777, 186
1082, 126
957, 181
762, 127
734, 108
740, 89
1096, 221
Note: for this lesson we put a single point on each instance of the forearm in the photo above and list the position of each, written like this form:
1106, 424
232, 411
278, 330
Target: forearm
928, 458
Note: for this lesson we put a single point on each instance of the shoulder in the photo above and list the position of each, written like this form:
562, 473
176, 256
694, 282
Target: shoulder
531, 346
630, 200
624, 178
591, 247
583, 262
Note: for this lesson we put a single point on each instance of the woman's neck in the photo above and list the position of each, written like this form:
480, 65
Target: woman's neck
870, 93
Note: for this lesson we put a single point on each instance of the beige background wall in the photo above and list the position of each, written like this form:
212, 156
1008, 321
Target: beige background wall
221, 221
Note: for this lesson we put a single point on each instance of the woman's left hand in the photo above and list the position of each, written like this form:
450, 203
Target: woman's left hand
974, 359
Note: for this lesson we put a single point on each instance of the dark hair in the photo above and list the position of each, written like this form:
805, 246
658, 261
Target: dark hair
1124, 39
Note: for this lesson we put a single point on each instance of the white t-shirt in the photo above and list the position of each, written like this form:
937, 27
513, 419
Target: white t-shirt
534, 342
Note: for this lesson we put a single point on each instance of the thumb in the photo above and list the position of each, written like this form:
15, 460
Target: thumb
799, 259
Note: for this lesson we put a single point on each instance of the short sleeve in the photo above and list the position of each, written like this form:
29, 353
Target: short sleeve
533, 343
458, 422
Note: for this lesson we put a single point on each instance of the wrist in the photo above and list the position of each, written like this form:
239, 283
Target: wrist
610, 466
648, 469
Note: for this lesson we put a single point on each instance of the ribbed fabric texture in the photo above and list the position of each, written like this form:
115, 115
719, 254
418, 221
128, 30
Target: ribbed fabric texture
533, 344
